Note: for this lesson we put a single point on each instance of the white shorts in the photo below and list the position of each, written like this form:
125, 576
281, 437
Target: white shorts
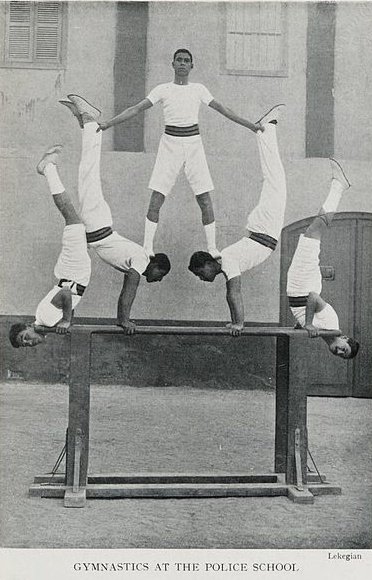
74, 262
49, 315
326, 319
304, 273
175, 153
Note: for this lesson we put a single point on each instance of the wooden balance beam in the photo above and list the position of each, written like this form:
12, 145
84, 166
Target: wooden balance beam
291, 477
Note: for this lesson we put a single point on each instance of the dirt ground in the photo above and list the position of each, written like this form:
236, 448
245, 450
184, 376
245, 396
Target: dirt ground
179, 430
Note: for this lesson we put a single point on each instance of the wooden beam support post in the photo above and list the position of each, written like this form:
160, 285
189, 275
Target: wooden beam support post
281, 404
78, 419
291, 407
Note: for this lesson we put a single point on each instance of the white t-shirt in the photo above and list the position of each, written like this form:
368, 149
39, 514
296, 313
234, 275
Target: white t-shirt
121, 253
242, 256
181, 103
326, 319
49, 315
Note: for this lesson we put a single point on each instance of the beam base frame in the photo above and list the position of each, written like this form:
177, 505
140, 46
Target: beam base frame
179, 486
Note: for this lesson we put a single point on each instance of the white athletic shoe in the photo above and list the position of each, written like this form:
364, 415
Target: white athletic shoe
83, 107
272, 115
338, 173
50, 156
74, 111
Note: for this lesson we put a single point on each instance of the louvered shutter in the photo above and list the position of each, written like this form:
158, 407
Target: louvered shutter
255, 37
48, 31
19, 32
34, 34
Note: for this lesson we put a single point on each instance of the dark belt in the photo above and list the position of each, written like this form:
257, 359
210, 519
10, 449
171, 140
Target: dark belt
79, 287
264, 239
182, 131
98, 234
297, 301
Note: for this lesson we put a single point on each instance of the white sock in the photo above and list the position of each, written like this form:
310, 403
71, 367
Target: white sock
150, 229
52, 177
335, 193
210, 234
91, 127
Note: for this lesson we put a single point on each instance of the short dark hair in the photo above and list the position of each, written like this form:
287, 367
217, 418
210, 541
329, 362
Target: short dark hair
198, 260
162, 261
354, 347
182, 50
14, 331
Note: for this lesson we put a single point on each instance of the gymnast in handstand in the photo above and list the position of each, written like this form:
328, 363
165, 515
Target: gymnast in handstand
304, 278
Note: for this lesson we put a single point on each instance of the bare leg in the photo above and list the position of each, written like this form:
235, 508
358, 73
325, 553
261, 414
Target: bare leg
66, 208
156, 201
152, 220
205, 204
47, 167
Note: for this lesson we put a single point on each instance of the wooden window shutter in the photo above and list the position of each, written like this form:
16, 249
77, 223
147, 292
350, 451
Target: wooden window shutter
48, 30
19, 32
255, 38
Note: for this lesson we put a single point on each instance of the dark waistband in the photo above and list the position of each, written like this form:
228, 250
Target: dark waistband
79, 287
297, 301
264, 239
99, 234
182, 131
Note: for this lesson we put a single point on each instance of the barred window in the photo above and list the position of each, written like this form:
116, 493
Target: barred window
254, 38
35, 34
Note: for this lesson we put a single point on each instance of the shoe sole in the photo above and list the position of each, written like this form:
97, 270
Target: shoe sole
73, 109
269, 111
342, 171
94, 109
56, 149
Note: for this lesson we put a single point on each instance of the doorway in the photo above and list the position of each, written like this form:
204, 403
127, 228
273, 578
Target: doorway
346, 263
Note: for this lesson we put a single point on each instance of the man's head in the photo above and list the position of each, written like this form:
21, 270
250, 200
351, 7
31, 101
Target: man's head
204, 266
24, 335
344, 347
182, 62
158, 267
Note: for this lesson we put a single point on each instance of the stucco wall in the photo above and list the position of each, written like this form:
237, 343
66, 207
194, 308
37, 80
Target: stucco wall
31, 119
30, 116
197, 26
353, 81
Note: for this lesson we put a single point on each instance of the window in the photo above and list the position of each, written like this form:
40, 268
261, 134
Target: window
35, 34
254, 39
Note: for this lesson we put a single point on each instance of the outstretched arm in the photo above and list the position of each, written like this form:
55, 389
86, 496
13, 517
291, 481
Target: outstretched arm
126, 298
126, 114
314, 304
63, 300
235, 302
234, 117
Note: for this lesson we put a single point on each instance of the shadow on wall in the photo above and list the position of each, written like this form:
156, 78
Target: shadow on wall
140, 361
